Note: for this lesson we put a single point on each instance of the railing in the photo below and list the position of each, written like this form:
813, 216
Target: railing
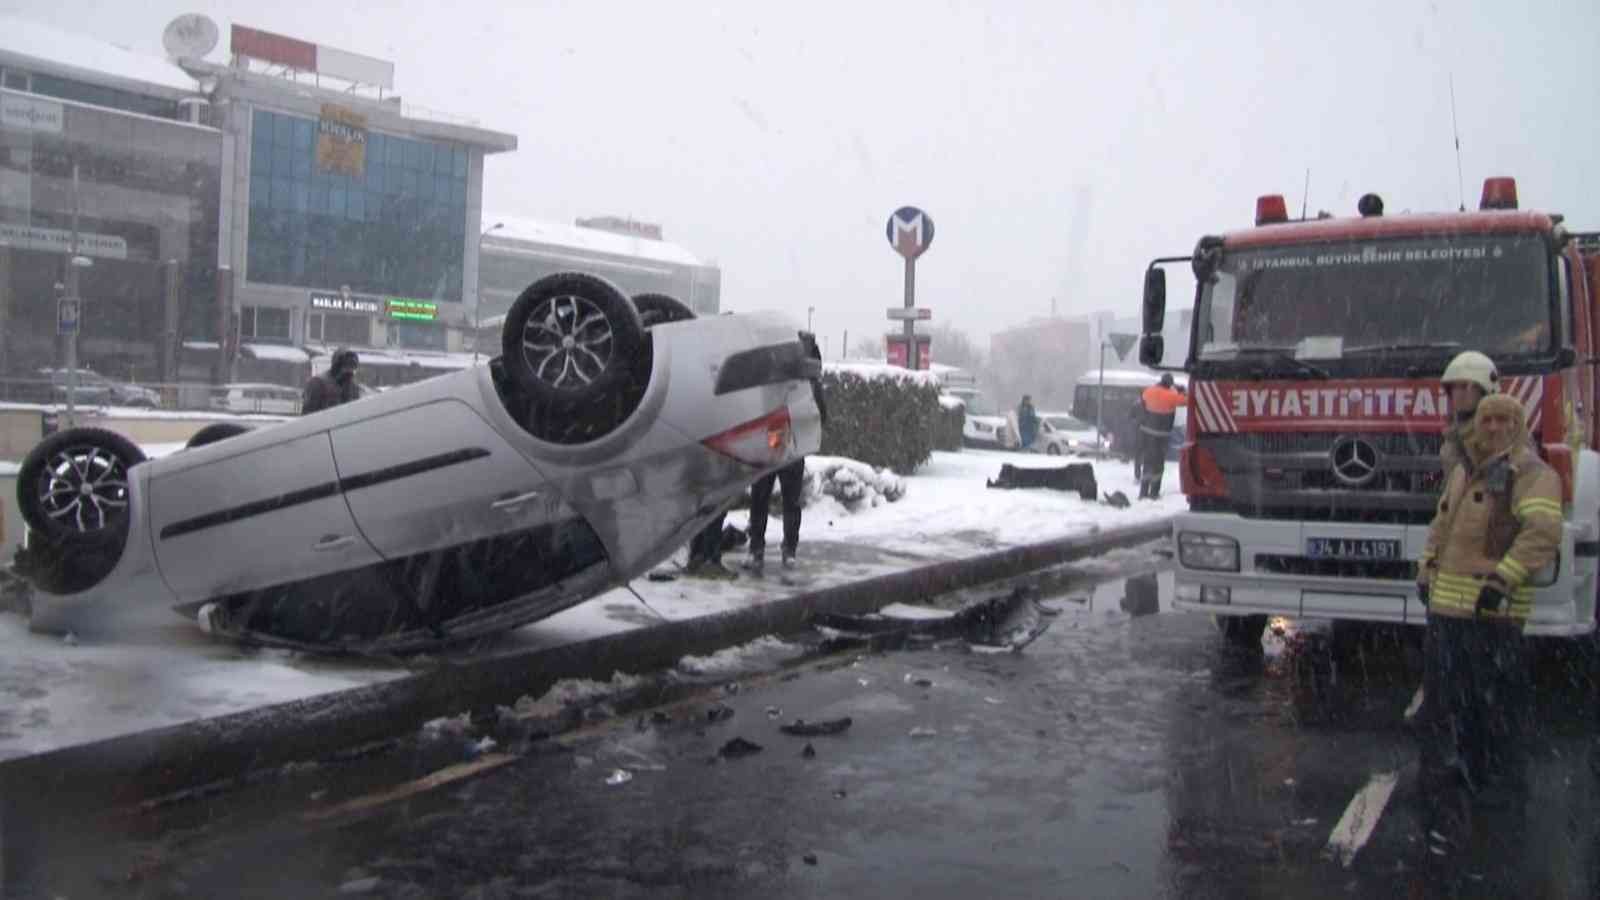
101, 396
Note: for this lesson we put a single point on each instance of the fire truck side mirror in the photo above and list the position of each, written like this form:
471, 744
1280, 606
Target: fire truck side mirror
1151, 348
1155, 300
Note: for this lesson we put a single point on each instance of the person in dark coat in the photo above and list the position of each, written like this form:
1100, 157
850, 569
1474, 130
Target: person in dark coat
336, 386
1027, 423
791, 479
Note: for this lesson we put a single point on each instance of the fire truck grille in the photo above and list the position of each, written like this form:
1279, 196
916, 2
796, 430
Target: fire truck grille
1279, 564
1403, 445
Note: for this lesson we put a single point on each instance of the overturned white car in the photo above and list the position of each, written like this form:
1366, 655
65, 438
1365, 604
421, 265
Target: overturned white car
607, 433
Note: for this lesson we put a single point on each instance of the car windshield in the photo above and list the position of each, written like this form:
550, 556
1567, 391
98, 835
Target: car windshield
1325, 301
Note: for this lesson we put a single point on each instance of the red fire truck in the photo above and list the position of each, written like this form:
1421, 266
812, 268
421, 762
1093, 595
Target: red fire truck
1311, 458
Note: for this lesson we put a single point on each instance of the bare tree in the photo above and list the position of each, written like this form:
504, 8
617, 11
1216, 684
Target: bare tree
954, 347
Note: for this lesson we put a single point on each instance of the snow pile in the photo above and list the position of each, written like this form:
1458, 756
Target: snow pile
855, 485
745, 657
950, 402
873, 371
573, 692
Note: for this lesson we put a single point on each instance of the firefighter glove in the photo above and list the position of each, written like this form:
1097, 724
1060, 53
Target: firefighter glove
1492, 596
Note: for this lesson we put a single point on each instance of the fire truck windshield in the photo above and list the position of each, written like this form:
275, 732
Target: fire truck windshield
1488, 293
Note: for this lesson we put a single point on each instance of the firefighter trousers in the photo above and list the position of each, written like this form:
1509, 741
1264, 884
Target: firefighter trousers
1478, 696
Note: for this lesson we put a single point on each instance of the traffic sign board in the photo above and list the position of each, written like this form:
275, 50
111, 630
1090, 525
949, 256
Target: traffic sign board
910, 231
67, 310
910, 313
1122, 343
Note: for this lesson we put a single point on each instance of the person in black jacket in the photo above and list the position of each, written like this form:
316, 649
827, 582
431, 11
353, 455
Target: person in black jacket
335, 387
791, 479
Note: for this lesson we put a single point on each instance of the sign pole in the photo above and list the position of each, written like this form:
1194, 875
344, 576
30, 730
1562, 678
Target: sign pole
911, 302
1100, 400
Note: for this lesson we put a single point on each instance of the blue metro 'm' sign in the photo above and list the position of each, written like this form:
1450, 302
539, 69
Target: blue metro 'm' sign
910, 231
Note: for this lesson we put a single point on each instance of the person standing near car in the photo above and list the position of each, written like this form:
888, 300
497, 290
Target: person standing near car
1159, 404
1027, 423
1498, 521
791, 478
336, 387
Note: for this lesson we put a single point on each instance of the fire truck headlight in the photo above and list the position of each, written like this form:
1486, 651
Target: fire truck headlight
1214, 552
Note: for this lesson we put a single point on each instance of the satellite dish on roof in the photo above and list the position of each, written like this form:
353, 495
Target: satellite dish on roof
190, 36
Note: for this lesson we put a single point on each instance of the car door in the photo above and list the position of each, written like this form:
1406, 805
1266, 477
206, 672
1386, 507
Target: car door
437, 476
263, 517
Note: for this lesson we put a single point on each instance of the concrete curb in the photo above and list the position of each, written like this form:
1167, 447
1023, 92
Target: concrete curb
136, 767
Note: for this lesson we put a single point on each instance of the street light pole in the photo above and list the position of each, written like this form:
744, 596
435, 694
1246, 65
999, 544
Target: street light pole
477, 306
809, 311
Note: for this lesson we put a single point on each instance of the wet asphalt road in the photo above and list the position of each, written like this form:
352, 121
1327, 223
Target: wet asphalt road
1121, 755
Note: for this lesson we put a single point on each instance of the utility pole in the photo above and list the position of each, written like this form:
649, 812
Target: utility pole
72, 297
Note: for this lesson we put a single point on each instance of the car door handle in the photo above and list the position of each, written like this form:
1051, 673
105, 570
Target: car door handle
333, 542
514, 501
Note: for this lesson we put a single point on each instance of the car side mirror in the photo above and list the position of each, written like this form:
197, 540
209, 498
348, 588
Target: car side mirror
1152, 347
1155, 301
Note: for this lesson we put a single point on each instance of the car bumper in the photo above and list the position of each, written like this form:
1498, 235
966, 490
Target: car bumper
1562, 608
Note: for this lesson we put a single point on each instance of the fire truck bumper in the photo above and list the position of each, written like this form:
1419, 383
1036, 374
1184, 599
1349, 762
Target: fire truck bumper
1235, 566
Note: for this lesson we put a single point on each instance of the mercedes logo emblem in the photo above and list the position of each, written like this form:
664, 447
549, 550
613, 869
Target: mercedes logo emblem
1355, 462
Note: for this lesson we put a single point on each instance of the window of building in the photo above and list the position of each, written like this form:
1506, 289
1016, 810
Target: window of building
397, 227
418, 336
14, 79
333, 328
99, 95
268, 324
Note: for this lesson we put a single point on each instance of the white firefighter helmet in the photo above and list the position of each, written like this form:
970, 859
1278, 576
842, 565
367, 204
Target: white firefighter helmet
1472, 367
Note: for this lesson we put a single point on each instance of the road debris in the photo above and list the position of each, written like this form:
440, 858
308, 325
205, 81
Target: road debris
809, 752
719, 712
802, 728
919, 682
773, 712
738, 747
447, 725
810, 859
440, 778
619, 776
360, 885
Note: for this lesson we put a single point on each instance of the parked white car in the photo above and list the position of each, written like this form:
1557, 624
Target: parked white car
437, 512
1061, 434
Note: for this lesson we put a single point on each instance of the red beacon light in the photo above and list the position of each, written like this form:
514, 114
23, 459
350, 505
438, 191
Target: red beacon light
1499, 193
1270, 209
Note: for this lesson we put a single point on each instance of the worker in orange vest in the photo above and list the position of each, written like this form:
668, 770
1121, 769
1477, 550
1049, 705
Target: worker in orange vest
1160, 404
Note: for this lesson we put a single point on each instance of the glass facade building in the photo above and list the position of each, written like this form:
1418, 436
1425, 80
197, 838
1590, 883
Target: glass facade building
392, 224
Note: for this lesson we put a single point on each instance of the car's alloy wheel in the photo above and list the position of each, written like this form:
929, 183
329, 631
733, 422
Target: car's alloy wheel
73, 486
571, 337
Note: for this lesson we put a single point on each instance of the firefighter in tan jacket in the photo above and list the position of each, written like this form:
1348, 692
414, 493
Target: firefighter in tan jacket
1498, 521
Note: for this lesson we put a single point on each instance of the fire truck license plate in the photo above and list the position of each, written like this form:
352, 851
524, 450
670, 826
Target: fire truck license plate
1352, 548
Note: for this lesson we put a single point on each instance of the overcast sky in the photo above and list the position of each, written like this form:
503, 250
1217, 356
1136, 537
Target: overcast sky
1057, 149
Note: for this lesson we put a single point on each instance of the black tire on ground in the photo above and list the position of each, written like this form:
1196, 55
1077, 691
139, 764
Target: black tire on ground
571, 338
73, 486
216, 431
659, 309
1243, 631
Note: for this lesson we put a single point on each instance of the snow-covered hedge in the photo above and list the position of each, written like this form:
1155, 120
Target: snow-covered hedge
855, 485
881, 415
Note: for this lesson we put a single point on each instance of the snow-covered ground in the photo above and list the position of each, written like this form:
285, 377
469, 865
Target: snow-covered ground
56, 693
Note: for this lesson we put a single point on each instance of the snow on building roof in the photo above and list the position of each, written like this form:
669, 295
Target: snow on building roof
517, 230
88, 56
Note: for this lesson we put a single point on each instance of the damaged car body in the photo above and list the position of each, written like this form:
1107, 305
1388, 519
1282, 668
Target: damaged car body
605, 435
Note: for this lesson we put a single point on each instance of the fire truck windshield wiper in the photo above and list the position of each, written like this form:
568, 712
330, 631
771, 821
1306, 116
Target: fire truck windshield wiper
1401, 348
1283, 355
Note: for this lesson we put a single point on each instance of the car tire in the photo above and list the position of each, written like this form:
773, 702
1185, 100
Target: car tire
1243, 631
659, 309
50, 485
216, 431
571, 338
